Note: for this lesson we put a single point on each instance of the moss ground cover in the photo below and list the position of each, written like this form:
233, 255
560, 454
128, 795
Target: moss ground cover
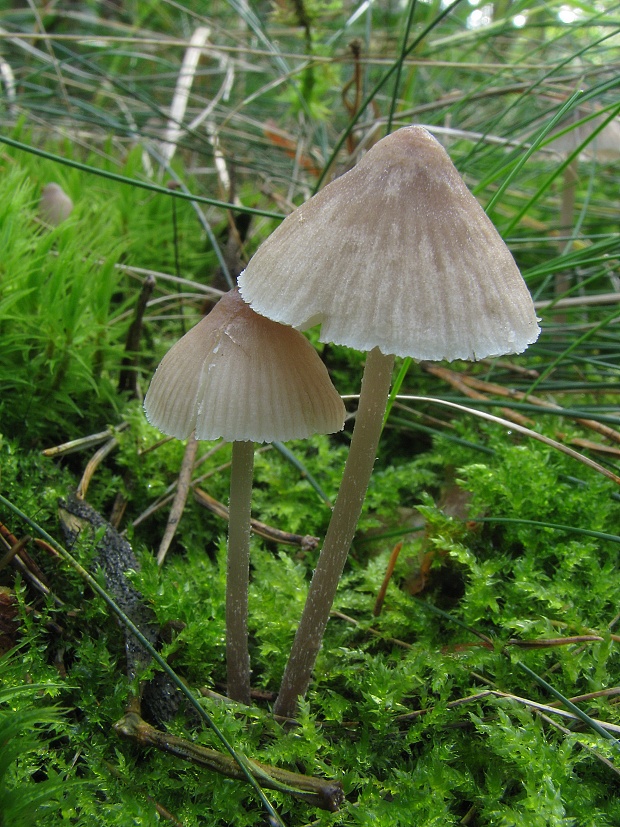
439, 708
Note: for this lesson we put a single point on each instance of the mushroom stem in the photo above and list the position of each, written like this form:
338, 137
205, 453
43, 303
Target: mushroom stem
238, 572
567, 211
347, 510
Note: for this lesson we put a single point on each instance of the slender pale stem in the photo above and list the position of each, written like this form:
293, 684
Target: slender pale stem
567, 214
355, 479
238, 572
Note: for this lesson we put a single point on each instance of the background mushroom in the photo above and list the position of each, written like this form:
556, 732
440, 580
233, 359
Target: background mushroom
396, 257
598, 139
55, 206
240, 376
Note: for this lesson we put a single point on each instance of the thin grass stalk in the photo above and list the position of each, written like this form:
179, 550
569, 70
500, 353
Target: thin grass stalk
560, 169
399, 64
577, 712
534, 146
174, 129
135, 182
180, 498
585, 532
610, 319
377, 88
513, 426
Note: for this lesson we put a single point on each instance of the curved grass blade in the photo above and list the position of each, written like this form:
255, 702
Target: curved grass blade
512, 426
583, 717
534, 146
586, 532
135, 182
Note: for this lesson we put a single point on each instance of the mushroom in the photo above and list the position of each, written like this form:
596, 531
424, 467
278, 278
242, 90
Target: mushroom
598, 139
597, 135
55, 205
396, 257
240, 376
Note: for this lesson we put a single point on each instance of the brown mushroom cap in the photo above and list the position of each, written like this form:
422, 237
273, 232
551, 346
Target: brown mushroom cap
240, 376
396, 254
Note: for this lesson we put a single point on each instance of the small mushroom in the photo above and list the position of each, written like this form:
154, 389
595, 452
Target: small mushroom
55, 205
240, 376
602, 147
396, 257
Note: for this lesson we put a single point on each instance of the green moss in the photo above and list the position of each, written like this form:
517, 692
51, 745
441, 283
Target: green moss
420, 711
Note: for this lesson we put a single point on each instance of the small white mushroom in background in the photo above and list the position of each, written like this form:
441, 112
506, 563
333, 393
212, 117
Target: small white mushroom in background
55, 205
240, 376
600, 148
394, 257
604, 147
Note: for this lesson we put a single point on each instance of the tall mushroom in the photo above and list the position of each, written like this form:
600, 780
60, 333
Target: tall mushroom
240, 376
396, 257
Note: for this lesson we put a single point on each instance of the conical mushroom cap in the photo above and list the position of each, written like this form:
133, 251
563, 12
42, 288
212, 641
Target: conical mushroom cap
240, 376
396, 254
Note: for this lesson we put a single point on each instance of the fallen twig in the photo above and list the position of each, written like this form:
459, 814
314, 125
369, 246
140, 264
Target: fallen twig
306, 541
92, 465
318, 792
461, 383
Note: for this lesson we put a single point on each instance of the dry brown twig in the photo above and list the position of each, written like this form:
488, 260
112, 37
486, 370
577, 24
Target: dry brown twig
306, 541
180, 498
467, 384
319, 792
460, 382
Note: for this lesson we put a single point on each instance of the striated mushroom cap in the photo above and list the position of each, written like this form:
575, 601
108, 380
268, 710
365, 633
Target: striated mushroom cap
396, 254
240, 376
